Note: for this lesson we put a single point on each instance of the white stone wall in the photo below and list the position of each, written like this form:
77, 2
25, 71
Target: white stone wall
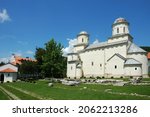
141, 57
133, 70
71, 70
78, 72
9, 77
94, 62
79, 48
115, 67
111, 50
97, 67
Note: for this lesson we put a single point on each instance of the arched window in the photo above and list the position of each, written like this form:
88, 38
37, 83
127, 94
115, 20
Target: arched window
117, 30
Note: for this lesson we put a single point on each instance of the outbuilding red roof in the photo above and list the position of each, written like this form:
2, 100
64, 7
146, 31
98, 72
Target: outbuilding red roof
19, 59
8, 70
148, 55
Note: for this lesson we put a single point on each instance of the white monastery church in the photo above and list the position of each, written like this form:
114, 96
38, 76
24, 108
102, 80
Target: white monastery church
117, 57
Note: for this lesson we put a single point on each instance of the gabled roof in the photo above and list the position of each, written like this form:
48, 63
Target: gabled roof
120, 56
135, 49
8, 70
19, 59
131, 61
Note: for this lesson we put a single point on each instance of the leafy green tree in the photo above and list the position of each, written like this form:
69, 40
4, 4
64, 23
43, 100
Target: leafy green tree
146, 48
54, 64
39, 54
28, 67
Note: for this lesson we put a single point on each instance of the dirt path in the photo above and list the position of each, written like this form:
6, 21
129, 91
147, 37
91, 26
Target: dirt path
30, 93
9, 94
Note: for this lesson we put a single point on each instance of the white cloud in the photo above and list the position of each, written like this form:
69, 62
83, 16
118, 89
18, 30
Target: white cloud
5, 60
4, 16
96, 41
69, 49
29, 52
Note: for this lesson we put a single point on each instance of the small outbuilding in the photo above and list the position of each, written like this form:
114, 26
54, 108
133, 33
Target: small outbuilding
8, 73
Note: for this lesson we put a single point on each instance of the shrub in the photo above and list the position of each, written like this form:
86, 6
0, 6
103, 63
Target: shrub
8, 81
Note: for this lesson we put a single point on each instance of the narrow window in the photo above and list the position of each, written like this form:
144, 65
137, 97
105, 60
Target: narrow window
71, 67
135, 68
124, 29
8, 75
82, 40
115, 66
92, 63
100, 65
117, 30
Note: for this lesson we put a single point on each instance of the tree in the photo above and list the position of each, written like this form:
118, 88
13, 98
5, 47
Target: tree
28, 69
146, 48
39, 54
2, 63
54, 64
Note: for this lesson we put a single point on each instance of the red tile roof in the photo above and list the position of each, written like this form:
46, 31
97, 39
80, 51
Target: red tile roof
8, 70
18, 60
148, 55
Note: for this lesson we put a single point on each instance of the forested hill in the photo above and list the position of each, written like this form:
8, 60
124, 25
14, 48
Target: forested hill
146, 48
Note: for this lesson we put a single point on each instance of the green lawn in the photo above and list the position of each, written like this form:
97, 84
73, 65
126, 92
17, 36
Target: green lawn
93, 91
19, 94
3, 96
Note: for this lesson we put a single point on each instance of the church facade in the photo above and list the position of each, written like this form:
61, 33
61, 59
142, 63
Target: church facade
117, 57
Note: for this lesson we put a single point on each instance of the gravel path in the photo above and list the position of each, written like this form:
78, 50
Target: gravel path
10, 95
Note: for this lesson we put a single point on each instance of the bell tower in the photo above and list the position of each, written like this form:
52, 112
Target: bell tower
120, 26
82, 41
120, 31
83, 38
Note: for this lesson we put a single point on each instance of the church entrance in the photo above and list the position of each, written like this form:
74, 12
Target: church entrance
2, 78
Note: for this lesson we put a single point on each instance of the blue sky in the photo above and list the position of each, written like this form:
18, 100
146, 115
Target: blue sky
31, 23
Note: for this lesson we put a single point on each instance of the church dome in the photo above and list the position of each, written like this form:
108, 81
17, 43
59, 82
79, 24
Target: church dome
83, 32
119, 20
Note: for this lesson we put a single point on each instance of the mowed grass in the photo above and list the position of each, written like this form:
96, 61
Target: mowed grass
92, 91
3, 96
19, 94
